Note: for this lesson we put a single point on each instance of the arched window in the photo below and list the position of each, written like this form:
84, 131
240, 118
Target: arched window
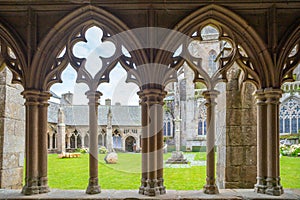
169, 129
165, 129
202, 119
289, 116
200, 130
117, 140
212, 63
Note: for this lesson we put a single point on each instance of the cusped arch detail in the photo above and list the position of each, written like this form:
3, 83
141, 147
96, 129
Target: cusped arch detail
55, 40
243, 33
288, 42
18, 66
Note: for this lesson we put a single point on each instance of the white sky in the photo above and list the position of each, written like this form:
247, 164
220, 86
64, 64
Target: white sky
116, 89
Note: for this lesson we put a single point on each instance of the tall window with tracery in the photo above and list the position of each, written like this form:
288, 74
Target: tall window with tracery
212, 65
202, 120
289, 117
168, 127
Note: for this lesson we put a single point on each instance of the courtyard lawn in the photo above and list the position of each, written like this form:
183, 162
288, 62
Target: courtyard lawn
72, 173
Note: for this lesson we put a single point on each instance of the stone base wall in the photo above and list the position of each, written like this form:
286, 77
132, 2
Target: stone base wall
12, 133
237, 148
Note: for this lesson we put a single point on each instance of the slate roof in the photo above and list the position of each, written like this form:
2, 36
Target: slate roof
78, 114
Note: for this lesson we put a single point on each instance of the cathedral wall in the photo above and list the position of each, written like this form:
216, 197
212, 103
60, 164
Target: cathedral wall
12, 133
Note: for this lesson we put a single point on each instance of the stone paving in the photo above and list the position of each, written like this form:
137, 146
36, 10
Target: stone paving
225, 194
192, 162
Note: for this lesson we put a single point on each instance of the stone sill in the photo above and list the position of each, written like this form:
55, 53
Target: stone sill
242, 194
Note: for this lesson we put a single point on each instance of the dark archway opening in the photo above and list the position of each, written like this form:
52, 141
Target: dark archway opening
130, 144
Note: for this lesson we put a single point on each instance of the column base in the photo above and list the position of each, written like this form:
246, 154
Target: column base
152, 188
143, 186
31, 187
211, 189
260, 186
273, 187
43, 185
93, 187
177, 158
162, 188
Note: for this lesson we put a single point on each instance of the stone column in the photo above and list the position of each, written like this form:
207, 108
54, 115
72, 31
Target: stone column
61, 132
50, 141
42, 142
109, 141
177, 133
210, 97
75, 141
68, 141
273, 179
31, 149
260, 186
152, 141
177, 156
93, 187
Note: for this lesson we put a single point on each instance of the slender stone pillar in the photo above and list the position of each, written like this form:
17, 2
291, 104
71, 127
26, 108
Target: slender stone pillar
177, 133
31, 149
61, 132
68, 141
109, 141
177, 156
152, 141
42, 142
261, 186
50, 141
273, 178
93, 96
210, 97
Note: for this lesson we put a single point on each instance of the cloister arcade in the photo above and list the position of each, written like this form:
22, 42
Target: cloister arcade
151, 45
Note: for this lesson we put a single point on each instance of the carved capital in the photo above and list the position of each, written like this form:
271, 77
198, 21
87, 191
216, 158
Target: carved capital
152, 96
273, 95
93, 97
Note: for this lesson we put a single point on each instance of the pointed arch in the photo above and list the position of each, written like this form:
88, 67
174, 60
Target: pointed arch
55, 40
288, 42
243, 34
9, 39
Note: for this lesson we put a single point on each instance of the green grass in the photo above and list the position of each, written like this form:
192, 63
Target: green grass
290, 172
73, 173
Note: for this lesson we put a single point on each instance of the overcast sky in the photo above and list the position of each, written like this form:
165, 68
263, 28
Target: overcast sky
116, 89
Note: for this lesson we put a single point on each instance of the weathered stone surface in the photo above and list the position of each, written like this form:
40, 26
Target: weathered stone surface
111, 158
234, 134
251, 153
235, 155
11, 178
233, 173
234, 117
249, 135
12, 133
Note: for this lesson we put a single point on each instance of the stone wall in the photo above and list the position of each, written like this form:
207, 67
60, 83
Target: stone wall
12, 133
236, 166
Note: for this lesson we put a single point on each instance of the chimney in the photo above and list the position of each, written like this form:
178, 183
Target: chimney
66, 99
107, 102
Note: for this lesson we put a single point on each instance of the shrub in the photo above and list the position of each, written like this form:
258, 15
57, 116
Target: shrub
103, 150
83, 150
284, 150
294, 150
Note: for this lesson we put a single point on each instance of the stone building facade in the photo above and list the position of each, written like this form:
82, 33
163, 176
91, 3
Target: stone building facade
119, 126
